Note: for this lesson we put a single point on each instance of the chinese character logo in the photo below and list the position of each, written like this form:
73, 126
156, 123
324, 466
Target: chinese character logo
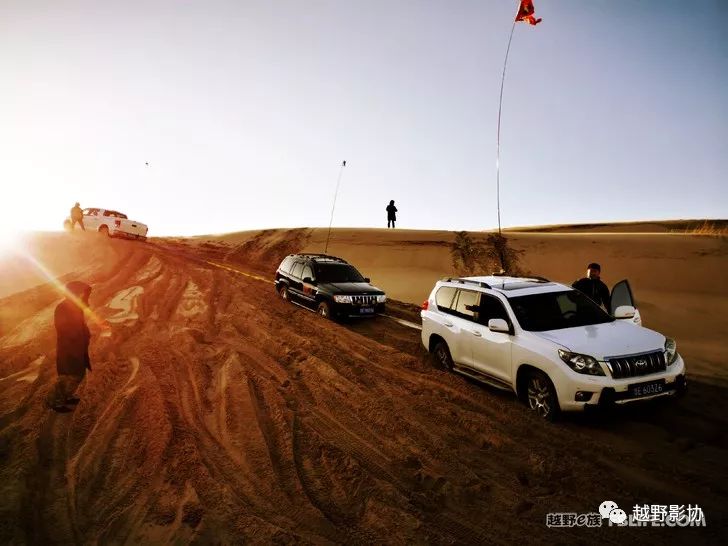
657, 515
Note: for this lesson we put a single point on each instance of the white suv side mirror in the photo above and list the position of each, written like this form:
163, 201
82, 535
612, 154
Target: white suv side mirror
499, 325
624, 312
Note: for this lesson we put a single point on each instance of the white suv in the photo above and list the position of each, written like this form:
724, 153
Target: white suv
111, 223
550, 344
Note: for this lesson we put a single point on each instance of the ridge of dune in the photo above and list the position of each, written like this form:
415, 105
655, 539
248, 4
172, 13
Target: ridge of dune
639, 226
218, 413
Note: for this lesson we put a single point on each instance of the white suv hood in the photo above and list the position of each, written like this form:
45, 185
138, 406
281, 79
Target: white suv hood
606, 340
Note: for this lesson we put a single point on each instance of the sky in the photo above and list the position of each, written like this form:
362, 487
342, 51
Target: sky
613, 110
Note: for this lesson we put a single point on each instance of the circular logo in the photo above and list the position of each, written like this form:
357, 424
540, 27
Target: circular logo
641, 363
606, 508
617, 516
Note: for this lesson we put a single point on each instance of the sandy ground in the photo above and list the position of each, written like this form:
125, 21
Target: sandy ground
216, 413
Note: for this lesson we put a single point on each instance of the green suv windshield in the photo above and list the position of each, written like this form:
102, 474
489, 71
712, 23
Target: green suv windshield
557, 310
327, 273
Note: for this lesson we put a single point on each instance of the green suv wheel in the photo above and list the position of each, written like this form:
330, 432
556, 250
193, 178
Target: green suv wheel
324, 310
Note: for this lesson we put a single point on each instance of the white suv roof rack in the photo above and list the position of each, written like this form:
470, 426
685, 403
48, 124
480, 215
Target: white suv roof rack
467, 281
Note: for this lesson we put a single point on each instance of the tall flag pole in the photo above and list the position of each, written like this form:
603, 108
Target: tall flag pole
525, 14
333, 206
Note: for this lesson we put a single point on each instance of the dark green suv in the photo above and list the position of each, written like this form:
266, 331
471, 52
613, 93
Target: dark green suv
331, 286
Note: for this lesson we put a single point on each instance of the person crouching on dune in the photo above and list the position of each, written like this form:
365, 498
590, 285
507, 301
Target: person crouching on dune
73, 339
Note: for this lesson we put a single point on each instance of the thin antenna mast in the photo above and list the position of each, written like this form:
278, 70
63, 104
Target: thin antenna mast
333, 206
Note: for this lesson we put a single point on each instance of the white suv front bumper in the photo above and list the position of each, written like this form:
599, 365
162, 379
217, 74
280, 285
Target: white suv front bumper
606, 390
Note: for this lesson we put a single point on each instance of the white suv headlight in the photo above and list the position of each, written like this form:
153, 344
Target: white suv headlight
581, 363
670, 351
342, 299
381, 298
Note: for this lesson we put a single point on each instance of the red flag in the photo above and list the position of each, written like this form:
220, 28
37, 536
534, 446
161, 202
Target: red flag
525, 13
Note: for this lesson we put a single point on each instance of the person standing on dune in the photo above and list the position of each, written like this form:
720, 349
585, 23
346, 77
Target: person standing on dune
77, 217
73, 339
592, 286
391, 214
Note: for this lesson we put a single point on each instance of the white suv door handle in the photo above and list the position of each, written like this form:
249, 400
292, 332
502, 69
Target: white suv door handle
448, 323
476, 333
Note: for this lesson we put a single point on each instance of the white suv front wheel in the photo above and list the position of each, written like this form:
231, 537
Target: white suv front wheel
541, 395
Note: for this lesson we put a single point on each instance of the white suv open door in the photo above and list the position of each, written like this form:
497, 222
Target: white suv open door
622, 295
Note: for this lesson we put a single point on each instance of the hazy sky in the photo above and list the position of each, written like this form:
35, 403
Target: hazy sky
613, 110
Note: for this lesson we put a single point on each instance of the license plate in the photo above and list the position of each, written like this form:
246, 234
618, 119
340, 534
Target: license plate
366, 310
647, 389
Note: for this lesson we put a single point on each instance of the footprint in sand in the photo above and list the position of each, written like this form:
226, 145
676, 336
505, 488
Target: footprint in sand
29, 374
127, 303
129, 388
151, 270
29, 328
192, 302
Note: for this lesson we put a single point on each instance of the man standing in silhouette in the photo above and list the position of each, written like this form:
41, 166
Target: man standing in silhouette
73, 338
77, 217
592, 286
391, 214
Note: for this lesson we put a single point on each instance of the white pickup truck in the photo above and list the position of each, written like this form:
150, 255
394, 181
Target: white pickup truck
111, 223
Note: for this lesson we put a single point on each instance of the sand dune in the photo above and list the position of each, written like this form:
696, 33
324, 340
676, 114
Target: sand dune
217, 413
654, 226
679, 280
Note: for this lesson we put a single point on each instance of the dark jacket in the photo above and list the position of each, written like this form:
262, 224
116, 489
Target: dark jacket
595, 289
391, 212
73, 339
76, 213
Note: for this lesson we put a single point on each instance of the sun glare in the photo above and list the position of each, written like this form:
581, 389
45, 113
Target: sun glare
9, 240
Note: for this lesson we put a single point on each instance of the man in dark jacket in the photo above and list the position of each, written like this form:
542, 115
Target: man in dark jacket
77, 217
73, 338
592, 286
391, 214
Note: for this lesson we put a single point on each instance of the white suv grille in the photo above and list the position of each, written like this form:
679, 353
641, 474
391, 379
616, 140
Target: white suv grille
637, 365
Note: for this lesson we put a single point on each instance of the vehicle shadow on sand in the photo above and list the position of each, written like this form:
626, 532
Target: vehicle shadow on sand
699, 418
703, 408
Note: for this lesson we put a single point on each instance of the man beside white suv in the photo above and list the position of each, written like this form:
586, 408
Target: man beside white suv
107, 222
550, 344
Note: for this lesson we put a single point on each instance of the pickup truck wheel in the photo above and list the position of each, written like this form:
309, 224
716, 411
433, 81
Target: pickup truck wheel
283, 292
541, 395
104, 230
324, 310
442, 355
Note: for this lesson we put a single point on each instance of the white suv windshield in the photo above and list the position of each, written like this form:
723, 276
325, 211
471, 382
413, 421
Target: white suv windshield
557, 310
